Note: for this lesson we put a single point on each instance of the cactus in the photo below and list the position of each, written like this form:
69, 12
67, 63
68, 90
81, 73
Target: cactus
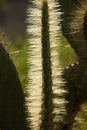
47, 118
76, 75
45, 80
73, 24
72, 78
13, 112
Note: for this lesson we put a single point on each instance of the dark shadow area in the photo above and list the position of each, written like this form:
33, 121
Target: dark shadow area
47, 106
13, 111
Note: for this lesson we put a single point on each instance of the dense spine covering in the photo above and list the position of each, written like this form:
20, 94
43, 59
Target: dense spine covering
77, 26
34, 87
52, 86
45, 82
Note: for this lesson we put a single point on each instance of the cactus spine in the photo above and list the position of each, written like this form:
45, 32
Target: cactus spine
45, 83
34, 87
77, 27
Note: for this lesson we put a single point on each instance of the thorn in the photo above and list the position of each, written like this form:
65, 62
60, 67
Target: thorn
67, 67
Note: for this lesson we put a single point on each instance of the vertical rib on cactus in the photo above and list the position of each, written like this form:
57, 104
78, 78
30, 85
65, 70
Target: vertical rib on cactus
46, 54
47, 121
13, 114
45, 82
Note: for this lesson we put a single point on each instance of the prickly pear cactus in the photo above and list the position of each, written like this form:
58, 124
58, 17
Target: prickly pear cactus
13, 112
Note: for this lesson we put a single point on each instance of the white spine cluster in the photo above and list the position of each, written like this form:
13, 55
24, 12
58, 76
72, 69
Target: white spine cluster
35, 62
77, 22
58, 82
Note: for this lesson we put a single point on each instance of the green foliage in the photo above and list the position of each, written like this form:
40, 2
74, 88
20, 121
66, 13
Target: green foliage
18, 53
66, 53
